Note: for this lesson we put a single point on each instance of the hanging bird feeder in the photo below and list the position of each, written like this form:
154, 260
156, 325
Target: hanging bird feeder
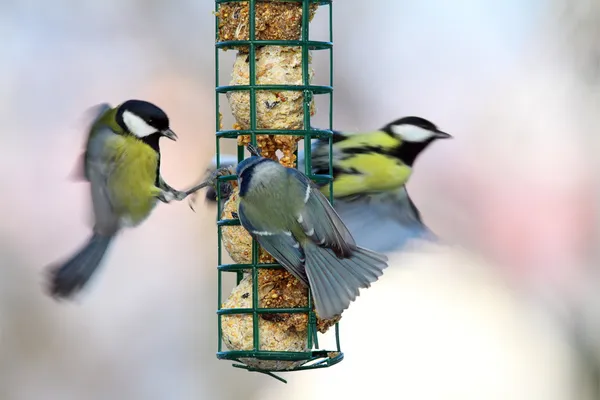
267, 323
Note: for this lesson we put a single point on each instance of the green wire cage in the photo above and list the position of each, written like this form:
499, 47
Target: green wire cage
313, 357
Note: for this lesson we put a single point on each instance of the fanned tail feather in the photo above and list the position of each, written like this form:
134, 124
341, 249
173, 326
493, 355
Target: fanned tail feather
335, 282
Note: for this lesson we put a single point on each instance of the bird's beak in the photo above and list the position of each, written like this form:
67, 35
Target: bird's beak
169, 134
442, 135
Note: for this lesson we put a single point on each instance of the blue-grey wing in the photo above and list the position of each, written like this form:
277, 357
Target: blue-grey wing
93, 114
319, 221
100, 162
384, 222
281, 245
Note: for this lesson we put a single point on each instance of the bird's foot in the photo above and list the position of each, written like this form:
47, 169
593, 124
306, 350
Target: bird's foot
167, 196
211, 181
179, 195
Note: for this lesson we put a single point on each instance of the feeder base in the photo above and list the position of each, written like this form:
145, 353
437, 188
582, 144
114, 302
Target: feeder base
301, 361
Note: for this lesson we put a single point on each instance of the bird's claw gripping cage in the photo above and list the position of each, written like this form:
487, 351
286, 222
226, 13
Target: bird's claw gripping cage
254, 358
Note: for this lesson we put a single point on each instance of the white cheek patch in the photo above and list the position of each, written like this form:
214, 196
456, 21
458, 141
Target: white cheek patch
137, 126
412, 133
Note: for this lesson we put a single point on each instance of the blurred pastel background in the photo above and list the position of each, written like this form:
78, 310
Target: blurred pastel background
492, 315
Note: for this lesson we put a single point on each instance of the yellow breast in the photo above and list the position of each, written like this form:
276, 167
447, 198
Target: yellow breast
132, 181
375, 174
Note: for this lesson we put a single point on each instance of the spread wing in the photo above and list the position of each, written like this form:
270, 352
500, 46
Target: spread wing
280, 244
99, 165
384, 222
93, 114
319, 220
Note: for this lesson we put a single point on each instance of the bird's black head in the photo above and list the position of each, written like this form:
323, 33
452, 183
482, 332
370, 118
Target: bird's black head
415, 134
144, 120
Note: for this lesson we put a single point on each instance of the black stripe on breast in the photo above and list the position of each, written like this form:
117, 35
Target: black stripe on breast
153, 142
406, 152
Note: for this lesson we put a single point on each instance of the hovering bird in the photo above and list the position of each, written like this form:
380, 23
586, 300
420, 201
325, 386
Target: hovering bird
121, 162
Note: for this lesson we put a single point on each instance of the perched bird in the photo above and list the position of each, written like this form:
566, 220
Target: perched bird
284, 211
122, 164
370, 172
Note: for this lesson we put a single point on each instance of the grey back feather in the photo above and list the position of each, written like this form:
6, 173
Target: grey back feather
94, 113
99, 165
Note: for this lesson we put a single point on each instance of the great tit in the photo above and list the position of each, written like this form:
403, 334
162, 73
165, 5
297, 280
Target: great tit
374, 162
284, 211
380, 217
121, 162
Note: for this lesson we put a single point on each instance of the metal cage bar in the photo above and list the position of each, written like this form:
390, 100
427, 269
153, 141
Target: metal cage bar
313, 358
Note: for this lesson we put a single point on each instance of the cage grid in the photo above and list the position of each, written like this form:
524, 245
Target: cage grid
314, 357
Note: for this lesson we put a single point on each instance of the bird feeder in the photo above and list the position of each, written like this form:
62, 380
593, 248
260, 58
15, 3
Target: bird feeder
267, 323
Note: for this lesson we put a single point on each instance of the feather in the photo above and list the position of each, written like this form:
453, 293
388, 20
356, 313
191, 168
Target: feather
319, 221
99, 165
78, 173
68, 278
335, 282
92, 116
281, 245
384, 222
